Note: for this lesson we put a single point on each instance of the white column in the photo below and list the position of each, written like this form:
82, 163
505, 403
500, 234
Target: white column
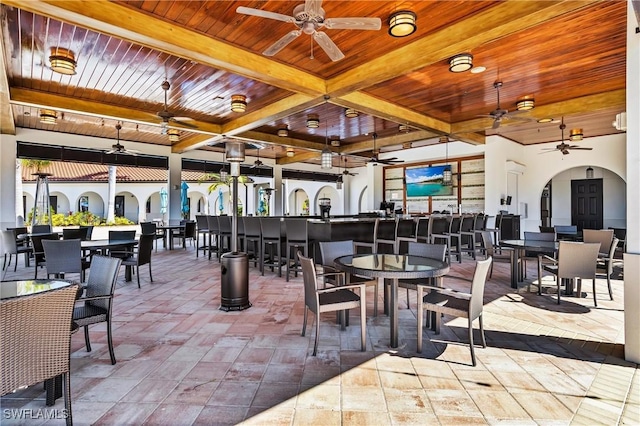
632, 257
374, 186
277, 196
175, 170
7, 181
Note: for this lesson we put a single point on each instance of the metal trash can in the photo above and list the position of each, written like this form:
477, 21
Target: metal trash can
234, 294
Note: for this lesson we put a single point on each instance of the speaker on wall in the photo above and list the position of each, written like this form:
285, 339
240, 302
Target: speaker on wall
508, 200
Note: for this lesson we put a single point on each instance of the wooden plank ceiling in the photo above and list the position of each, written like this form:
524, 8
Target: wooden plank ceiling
569, 56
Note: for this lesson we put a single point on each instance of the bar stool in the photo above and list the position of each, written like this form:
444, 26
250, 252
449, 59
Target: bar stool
203, 229
368, 243
214, 234
467, 235
406, 232
253, 238
441, 231
297, 240
386, 236
271, 238
224, 236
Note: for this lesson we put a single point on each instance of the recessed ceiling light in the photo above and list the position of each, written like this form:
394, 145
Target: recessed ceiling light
478, 70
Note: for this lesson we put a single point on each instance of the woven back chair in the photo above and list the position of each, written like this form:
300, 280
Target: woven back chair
252, 238
458, 304
202, 229
98, 298
64, 257
38, 249
35, 344
41, 229
141, 256
10, 247
75, 233
602, 236
297, 240
329, 251
432, 251
331, 299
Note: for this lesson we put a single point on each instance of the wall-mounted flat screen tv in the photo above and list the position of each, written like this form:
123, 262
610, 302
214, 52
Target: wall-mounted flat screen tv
427, 181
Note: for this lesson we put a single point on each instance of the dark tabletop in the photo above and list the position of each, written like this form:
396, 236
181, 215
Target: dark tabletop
531, 245
392, 266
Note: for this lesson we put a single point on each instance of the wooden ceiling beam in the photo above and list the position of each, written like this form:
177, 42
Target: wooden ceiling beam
584, 104
298, 158
281, 141
272, 112
398, 139
504, 19
469, 137
389, 111
139, 28
7, 124
192, 142
81, 106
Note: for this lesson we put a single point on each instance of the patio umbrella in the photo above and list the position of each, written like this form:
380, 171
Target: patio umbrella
220, 201
163, 200
185, 200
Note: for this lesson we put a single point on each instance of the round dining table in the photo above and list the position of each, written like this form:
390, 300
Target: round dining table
519, 248
393, 267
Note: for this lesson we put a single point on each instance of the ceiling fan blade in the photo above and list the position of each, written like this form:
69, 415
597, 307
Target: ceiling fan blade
496, 123
584, 148
265, 14
280, 44
353, 23
312, 7
330, 48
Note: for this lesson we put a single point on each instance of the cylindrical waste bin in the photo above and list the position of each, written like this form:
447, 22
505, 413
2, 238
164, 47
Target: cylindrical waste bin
234, 294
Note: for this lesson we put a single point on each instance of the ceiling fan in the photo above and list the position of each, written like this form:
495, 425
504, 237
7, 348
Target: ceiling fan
257, 163
376, 160
565, 147
500, 114
167, 116
346, 172
118, 148
309, 18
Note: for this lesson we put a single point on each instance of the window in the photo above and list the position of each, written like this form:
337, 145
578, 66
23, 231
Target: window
83, 204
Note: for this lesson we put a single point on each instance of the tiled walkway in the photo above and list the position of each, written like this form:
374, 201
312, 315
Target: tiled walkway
182, 361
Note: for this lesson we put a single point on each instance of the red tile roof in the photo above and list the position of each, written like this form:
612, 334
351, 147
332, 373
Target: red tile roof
83, 172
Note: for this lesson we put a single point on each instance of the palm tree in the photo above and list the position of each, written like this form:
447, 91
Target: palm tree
217, 182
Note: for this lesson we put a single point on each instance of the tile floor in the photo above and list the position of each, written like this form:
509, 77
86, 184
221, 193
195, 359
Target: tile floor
182, 361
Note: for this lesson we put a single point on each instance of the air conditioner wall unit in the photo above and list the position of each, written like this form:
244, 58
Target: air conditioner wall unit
515, 167
621, 121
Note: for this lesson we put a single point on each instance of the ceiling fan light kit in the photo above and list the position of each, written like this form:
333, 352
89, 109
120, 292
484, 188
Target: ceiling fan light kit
351, 113
63, 61
461, 63
174, 135
238, 103
48, 116
402, 23
525, 104
313, 121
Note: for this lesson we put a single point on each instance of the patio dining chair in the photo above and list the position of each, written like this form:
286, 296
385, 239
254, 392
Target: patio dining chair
605, 264
36, 341
339, 298
576, 261
139, 256
39, 258
10, 247
442, 301
64, 257
329, 251
432, 251
97, 300
604, 237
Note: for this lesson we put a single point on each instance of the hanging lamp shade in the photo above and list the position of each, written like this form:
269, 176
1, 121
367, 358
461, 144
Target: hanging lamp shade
62, 61
351, 113
238, 103
313, 121
174, 135
576, 135
325, 158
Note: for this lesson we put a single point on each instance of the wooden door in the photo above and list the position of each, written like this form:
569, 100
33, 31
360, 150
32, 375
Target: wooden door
586, 204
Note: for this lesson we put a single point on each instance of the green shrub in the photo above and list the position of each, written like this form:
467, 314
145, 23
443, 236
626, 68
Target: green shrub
86, 218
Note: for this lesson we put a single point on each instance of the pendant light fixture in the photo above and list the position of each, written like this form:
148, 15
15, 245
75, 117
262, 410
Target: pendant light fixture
446, 173
48, 116
238, 103
62, 61
325, 157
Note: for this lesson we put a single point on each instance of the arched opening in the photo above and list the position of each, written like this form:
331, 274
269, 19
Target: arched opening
91, 202
126, 205
562, 203
299, 202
